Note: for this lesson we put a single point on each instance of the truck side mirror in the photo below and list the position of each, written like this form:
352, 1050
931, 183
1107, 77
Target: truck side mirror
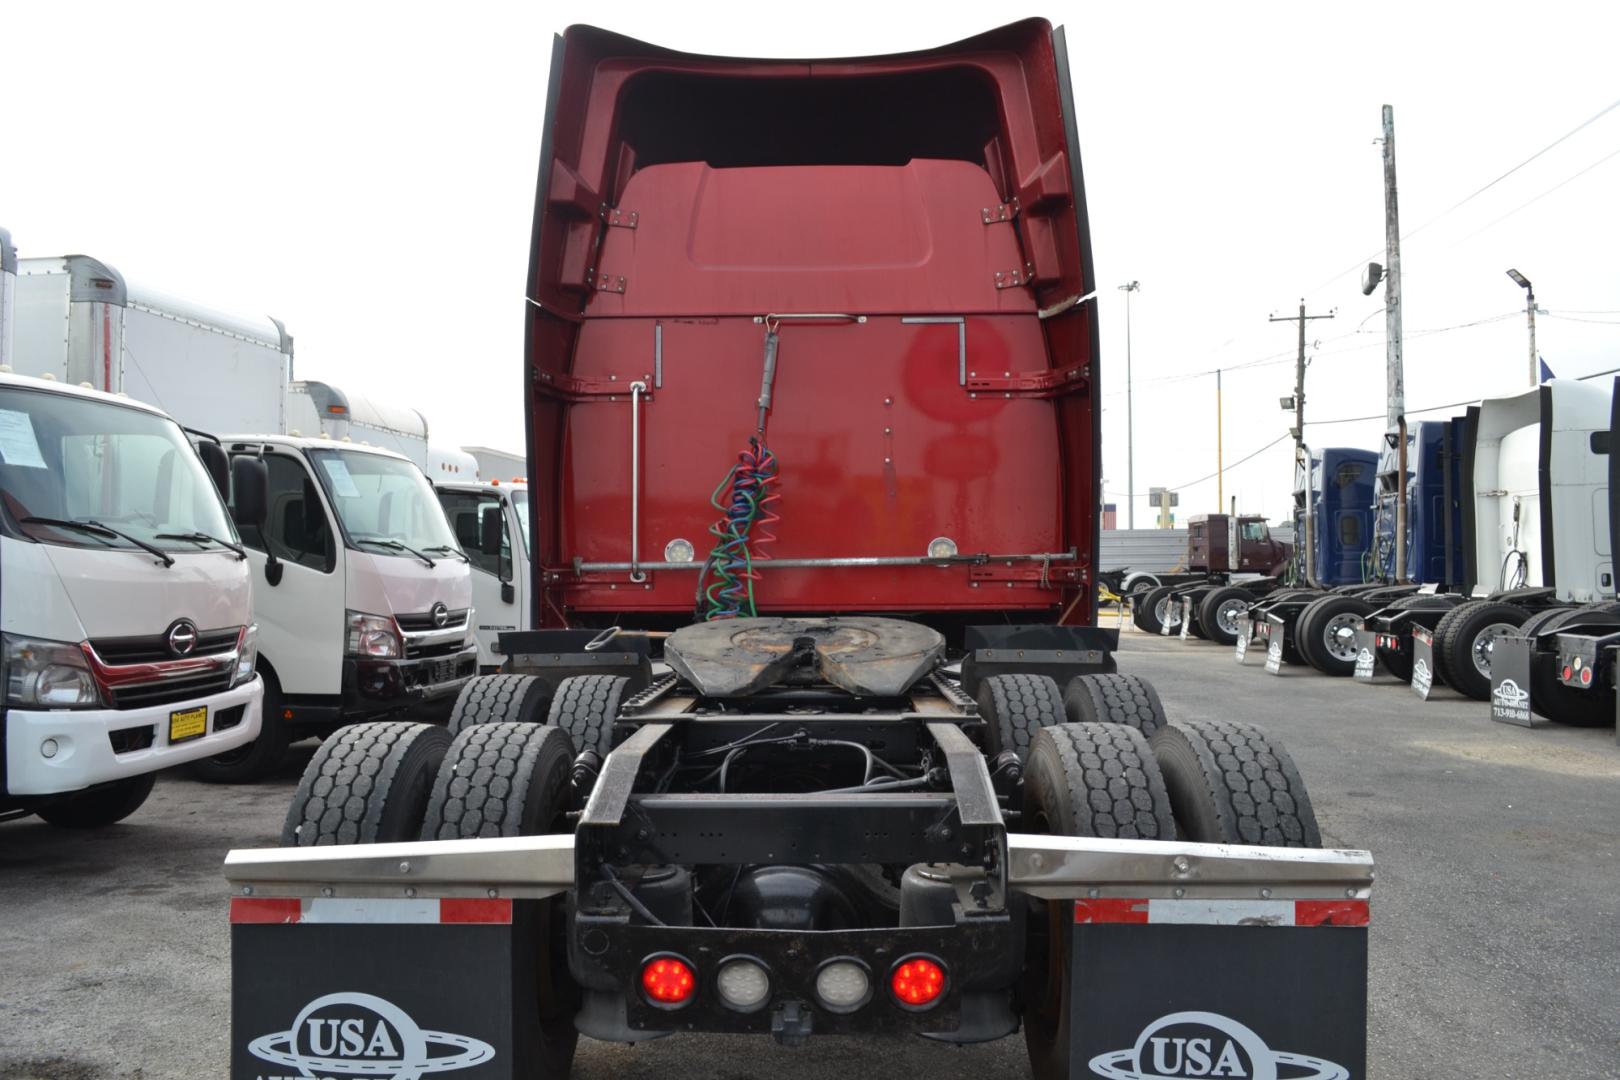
250, 481
491, 530
218, 465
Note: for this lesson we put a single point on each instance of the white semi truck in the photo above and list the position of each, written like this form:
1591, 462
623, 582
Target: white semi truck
364, 596
129, 638
491, 523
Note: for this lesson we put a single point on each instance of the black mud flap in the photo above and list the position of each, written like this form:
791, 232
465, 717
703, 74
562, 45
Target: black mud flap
1280, 989
382, 988
1366, 654
1422, 662
1510, 682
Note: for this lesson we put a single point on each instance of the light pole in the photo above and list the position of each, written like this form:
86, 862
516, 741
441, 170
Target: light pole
1130, 415
1530, 313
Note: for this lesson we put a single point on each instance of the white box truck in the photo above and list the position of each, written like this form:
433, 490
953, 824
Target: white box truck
491, 523
322, 409
363, 595
498, 464
8, 294
80, 322
124, 599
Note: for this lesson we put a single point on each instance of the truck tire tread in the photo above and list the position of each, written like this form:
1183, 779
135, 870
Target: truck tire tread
1015, 707
501, 779
1114, 699
585, 706
496, 699
1229, 782
367, 784
1452, 651
1097, 780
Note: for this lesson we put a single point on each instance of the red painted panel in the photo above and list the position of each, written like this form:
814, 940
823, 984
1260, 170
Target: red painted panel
900, 239
254, 909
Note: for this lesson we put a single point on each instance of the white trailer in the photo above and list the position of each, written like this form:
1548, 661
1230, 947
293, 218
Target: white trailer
500, 581
129, 638
80, 322
498, 464
8, 294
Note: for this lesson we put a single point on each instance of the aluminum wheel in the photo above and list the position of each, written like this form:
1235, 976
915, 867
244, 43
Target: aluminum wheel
1339, 636
1169, 614
1232, 616
1484, 645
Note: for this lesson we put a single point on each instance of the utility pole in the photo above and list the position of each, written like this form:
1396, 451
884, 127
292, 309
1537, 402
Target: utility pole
1220, 460
1530, 313
1299, 426
1130, 415
1395, 377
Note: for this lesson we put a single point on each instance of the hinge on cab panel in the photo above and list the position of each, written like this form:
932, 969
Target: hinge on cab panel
1018, 276
605, 282
620, 219
990, 215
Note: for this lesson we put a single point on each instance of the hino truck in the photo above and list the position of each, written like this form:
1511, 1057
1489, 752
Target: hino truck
811, 385
490, 521
363, 594
129, 639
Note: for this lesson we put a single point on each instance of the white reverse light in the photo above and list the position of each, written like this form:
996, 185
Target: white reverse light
742, 984
843, 985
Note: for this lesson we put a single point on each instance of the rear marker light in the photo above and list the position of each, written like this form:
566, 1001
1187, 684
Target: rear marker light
843, 985
742, 984
1566, 672
1586, 676
918, 982
668, 981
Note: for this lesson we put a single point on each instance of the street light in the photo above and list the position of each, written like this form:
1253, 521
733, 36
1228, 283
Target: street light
1530, 314
1130, 415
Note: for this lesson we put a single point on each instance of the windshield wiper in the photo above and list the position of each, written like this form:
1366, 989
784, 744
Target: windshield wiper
446, 549
199, 538
393, 545
96, 528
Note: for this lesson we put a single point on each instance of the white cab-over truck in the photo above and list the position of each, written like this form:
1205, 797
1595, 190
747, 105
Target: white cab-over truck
363, 595
491, 523
124, 597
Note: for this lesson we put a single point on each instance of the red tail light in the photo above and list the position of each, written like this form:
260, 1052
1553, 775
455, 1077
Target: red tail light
1566, 673
918, 982
668, 981
1586, 676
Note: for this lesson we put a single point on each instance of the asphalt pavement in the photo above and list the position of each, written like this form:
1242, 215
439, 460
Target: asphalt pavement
1495, 950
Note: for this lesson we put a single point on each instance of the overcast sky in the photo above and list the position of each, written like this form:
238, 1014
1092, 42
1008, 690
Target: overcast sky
366, 174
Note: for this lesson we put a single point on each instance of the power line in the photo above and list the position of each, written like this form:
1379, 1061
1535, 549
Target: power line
1233, 465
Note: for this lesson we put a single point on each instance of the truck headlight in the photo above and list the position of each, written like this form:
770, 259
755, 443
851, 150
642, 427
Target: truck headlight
48, 674
373, 636
247, 651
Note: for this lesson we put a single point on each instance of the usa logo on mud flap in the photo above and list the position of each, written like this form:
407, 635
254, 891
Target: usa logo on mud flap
1204, 1046
351, 1035
1510, 695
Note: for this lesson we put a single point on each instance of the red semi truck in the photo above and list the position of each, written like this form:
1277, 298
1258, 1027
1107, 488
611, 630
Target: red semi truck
815, 734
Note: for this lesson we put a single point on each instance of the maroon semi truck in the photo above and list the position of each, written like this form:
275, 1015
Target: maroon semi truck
1232, 560
815, 735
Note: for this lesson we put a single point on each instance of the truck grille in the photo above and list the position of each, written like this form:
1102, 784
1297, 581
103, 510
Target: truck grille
152, 649
168, 691
424, 621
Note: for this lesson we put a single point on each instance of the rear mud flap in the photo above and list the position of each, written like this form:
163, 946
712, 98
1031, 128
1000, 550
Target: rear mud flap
382, 988
1184, 988
1366, 654
1245, 632
1510, 682
1422, 662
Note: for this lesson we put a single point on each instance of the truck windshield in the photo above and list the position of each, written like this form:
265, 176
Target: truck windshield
107, 475
520, 503
386, 505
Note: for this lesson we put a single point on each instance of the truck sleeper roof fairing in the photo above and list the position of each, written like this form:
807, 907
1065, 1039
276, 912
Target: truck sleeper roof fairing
927, 209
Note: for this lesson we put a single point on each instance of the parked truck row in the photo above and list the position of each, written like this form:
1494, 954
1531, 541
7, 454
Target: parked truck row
348, 595
1508, 545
